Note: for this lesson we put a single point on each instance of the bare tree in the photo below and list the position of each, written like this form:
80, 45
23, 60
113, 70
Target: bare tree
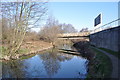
50, 31
20, 16
84, 30
68, 28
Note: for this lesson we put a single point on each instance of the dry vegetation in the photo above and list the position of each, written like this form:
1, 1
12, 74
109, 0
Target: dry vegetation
15, 20
18, 18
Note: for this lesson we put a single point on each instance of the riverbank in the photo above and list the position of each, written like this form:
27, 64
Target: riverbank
111, 52
27, 48
83, 48
100, 65
115, 62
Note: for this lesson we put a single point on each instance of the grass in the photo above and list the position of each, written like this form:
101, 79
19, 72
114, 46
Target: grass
3, 50
22, 51
101, 66
111, 52
31, 55
26, 57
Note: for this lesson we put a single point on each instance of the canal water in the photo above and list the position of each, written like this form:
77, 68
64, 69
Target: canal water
47, 64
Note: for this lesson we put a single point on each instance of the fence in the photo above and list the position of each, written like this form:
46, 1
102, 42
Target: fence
109, 25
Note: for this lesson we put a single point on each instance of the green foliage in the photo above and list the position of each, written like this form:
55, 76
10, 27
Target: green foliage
101, 66
22, 51
112, 52
26, 57
3, 49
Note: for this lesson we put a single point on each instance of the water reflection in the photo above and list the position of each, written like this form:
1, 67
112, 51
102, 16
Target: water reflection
52, 61
13, 69
51, 64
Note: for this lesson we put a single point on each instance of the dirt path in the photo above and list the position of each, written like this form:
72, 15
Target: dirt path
114, 60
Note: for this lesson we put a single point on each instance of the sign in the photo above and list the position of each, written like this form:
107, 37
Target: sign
97, 20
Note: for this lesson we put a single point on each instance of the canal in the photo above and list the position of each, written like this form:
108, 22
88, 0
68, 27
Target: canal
47, 64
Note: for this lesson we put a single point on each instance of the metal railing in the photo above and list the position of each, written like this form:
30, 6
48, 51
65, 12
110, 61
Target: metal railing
109, 25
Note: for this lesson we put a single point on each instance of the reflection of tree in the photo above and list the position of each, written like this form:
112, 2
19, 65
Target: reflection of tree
12, 69
52, 61
65, 46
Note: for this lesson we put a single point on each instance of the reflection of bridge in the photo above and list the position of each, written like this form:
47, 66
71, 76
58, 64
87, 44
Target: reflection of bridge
74, 35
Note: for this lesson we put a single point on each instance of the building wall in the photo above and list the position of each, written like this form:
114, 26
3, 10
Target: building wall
109, 39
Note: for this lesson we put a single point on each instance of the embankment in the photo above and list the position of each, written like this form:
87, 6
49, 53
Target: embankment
109, 39
100, 65
28, 48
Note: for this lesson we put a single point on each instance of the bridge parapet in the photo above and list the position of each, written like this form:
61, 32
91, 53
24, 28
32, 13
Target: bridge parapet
74, 34
109, 25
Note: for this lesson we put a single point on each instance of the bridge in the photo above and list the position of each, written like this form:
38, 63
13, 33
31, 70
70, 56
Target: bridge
105, 36
73, 35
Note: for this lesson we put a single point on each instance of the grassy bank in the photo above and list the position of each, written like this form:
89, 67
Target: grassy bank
27, 48
100, 66
111, 52
21, 51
